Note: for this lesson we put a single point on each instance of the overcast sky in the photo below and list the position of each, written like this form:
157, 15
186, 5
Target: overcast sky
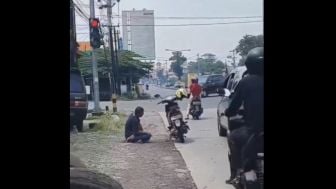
216, 39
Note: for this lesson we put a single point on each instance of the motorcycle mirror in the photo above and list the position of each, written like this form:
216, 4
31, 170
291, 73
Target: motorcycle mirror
227, 93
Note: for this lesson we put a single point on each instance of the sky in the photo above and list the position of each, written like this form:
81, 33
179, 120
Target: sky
216, 39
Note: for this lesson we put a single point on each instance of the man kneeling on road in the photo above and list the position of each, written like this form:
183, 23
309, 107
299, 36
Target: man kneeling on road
133, 129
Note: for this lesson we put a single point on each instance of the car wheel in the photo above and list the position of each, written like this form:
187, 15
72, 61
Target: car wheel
220, 92
221, 131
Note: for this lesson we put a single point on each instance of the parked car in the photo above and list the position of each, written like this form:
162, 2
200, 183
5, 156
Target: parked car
230, 83
78, 100
211, 84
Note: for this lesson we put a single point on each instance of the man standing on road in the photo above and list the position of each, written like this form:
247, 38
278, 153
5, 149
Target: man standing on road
133, 129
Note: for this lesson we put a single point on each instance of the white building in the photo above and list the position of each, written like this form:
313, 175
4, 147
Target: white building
139, 33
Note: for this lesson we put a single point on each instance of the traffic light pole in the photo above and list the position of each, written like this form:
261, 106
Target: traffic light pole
97, 108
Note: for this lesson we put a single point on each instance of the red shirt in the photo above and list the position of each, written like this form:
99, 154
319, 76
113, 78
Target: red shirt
195, 89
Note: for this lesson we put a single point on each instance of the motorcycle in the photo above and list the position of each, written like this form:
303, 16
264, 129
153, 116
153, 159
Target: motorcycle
196, 108
252, 176
177, 127
253, 156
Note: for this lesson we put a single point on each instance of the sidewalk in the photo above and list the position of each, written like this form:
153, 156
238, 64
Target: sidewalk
154, 165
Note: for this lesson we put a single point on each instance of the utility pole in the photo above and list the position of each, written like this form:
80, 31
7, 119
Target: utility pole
97, 108
233, 58
198, 65
166, 68
109, 19
73, 55
116, 62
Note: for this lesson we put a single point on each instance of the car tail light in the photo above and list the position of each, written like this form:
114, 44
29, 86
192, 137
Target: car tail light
78, 104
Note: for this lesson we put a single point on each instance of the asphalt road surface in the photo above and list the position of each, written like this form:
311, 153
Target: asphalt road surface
205, 152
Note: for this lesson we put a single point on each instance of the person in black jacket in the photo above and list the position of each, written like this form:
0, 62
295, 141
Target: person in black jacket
249, 93
133, 129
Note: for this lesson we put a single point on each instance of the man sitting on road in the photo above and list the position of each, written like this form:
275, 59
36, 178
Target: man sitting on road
133, 129
195, 93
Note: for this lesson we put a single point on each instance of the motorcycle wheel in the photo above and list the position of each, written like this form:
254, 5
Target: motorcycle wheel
180, 136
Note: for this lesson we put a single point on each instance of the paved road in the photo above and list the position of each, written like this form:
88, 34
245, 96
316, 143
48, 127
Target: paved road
151, 105
205, 153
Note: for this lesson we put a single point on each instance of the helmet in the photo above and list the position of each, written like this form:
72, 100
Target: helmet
194, 80
181, 93
255, 61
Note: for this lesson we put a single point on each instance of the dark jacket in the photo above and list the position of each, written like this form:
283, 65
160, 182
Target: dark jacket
132, 126
249, 93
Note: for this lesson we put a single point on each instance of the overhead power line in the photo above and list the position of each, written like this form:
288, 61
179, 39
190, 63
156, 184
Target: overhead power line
200, 24
189, 18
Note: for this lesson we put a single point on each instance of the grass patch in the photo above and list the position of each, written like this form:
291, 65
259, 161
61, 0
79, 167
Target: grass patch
111, 123
93, 118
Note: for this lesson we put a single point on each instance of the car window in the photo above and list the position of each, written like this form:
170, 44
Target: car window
202, 79
231, 81
211, 79
214, 78
228, 81
76, 83
218, 77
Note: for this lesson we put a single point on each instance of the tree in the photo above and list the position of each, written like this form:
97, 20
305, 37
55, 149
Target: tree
249, 42
208, 64
209, 57
217, 68
160, 74
131, 69
176, 65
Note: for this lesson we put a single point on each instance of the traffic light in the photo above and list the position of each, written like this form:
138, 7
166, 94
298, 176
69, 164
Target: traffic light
94, 33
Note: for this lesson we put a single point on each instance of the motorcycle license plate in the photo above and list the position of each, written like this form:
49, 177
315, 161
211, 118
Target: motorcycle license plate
177, 123
196, 103
179, 116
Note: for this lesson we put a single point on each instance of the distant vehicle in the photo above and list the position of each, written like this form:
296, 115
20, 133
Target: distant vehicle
179, 84
211, 84
78, 100
230, 83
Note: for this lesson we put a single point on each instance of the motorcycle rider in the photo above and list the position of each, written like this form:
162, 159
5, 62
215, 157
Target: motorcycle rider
249, 93
195, 93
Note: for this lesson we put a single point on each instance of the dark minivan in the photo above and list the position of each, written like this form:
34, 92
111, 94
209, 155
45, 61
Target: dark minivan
78, 100
211, 84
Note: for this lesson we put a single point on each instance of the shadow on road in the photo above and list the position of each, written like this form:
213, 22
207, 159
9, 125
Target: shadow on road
212, 96
187, 140
200, 119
